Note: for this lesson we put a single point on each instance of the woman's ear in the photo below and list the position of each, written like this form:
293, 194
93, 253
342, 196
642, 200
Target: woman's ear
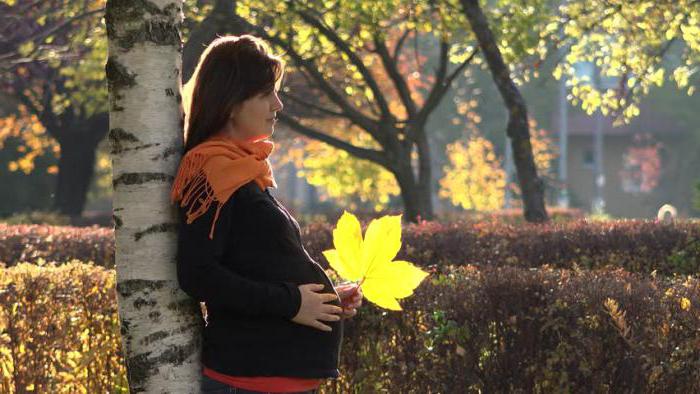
234, 114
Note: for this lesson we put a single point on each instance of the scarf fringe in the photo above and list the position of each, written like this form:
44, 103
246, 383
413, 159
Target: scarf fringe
193, 190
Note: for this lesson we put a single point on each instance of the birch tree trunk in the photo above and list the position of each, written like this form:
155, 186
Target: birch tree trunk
160, 325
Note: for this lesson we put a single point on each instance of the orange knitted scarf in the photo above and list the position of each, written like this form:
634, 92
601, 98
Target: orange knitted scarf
213, 170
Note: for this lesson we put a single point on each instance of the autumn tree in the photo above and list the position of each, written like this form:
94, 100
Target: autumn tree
334, 45
639, 44
51, 64
518, 131
475, 177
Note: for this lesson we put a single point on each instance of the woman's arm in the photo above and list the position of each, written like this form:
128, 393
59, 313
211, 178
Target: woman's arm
202, 276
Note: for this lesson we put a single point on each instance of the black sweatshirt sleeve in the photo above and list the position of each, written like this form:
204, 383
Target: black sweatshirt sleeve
201, 274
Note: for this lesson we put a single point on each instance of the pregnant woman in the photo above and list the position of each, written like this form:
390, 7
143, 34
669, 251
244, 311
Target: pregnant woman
273, 315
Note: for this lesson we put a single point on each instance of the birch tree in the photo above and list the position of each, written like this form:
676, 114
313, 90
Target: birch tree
160, 324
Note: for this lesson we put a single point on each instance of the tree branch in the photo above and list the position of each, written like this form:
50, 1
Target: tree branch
47, 32
349, 111
442, 83
392, 70
363, 153
399, 45
309, 104
354, 59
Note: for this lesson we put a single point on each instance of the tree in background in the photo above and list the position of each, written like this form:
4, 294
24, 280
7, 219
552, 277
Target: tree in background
341, 176
641, 164
475, 178
343, 51
630, 41
531, 185
51, 60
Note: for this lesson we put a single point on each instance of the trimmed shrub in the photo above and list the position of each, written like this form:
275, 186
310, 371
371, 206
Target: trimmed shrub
31, 243
491, 329
59, 330
507, 329
38, 217
511, 216
637, 246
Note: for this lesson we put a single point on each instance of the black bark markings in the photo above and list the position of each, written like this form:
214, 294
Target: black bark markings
157, 228
154, 316
117, 136
118, 78
141, 302
130, 286
156, 336
184, 305
118, 223
166, 153
142, 366
159, 29
139, 178
118, 147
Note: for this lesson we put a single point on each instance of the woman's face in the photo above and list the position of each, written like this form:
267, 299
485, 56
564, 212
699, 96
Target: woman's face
255, 118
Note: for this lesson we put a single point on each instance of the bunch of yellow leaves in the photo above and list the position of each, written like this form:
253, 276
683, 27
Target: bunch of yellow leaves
369, 261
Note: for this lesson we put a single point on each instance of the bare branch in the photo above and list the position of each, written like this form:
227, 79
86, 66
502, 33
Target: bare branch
441, 86
353, 114
41, 35
363, 153
309, 104
391, 68
399, 45
438, 88
617, 114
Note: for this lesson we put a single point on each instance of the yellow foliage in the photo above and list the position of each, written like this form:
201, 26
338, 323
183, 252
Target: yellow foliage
625, 40
369, 260
474, 178
685, 303
62, 322
340, 175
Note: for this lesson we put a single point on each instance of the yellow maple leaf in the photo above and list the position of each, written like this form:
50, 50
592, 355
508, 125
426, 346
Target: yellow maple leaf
370, 260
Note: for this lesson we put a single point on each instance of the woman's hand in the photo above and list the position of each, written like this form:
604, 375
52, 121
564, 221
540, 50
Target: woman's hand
314, 308
350, 299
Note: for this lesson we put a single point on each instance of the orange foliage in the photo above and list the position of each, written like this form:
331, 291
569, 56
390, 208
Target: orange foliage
34, 141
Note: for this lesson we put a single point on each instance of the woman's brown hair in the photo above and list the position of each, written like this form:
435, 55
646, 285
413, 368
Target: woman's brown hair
231, 70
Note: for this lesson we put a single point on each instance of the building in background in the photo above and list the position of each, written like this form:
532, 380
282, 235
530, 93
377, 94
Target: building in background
647, 163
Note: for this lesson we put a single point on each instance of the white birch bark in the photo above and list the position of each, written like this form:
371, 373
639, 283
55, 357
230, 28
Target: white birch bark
160, 325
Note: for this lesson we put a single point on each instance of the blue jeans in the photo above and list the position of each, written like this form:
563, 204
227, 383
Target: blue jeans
211, 386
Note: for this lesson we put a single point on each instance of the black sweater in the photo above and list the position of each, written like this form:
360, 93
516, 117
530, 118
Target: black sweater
247, 275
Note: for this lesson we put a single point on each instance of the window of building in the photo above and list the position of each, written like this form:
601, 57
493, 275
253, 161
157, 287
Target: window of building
588, 159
